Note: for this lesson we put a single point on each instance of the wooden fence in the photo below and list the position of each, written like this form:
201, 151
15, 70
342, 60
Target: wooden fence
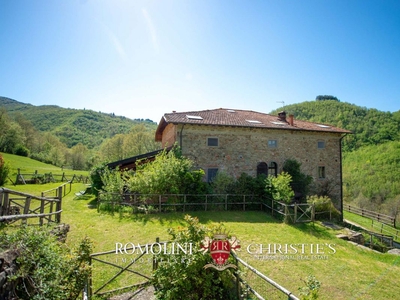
292, 213
178, 202
386, 229
371, 214
17, 206
35, 178
261, 286
135, 273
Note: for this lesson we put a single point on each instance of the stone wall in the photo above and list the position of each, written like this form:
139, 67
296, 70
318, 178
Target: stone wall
241, 149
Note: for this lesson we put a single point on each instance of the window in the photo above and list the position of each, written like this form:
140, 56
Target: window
272, 143
273, 169
321, 144
262, 168
211, 173
321, 172
212, 142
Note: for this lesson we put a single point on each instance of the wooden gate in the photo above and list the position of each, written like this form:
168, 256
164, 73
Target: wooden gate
303, 213
15, 206
114, 272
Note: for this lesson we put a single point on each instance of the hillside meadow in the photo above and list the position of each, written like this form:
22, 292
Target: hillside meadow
351, 272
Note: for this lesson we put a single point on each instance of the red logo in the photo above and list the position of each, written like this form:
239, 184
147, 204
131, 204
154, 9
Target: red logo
220, 249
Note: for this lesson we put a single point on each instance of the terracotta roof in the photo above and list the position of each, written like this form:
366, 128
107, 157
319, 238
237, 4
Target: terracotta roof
241, 118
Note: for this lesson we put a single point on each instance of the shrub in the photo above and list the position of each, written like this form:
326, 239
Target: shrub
279, 187
47, 269
167, 174
184, 276
300, 181
311, 290
222, 183
324, 208
4, 171
22, 151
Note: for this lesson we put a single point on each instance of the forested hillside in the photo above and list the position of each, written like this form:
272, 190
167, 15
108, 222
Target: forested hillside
73, 126
371, 155
369, 126
371, 177
72, 137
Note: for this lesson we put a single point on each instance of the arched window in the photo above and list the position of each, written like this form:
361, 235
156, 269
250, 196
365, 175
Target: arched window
262, 168
273, 169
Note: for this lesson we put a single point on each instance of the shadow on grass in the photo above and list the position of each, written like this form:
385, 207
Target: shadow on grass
313, 229
204, 217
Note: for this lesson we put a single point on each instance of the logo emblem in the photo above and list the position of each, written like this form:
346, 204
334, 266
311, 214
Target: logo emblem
220, 248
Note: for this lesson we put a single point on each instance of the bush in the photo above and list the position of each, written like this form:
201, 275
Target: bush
300, 181
47, 269
279, 187
324, 208
222, 183
22, 151
185, 276
4, 171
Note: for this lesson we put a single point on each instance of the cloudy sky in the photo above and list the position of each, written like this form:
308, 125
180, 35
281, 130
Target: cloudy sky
141, 59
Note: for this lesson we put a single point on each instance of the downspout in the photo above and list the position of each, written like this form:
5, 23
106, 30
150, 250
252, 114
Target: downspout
341, 177
180, 137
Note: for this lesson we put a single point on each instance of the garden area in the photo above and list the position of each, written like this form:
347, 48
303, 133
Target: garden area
348, 272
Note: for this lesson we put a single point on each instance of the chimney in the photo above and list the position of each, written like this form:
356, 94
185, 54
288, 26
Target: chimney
282, 116
291, 119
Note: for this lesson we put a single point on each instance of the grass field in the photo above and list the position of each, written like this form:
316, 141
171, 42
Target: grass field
351, 272
29, 166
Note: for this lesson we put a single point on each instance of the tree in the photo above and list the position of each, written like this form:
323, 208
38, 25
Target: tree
326, 97
165, 175
300, 181
185, 277
4, 170
78, 157
279, 187
47, 269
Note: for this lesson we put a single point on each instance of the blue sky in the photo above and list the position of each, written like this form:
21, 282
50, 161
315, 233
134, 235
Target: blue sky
141, 59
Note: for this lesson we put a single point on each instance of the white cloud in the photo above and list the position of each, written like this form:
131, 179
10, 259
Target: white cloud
151, 29
116, 43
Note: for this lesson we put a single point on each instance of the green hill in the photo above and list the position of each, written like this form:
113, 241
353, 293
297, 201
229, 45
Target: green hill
369, 126
371, 155
73, 126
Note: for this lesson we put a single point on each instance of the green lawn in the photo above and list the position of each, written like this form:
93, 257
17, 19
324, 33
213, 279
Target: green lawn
29, 166
352, 272
372, 225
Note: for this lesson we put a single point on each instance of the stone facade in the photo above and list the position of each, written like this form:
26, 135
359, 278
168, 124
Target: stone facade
245, 141
240, 150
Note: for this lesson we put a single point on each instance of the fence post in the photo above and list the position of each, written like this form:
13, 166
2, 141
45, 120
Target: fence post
295, 213
272, 207
159, 203
226, 201
90, 291
26, 208
184, 202
244, 203
237, 279
41, 210
313, 213
205, 206
59, 204
4, 206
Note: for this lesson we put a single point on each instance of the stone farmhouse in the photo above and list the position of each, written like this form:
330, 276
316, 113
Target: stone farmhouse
243, 141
